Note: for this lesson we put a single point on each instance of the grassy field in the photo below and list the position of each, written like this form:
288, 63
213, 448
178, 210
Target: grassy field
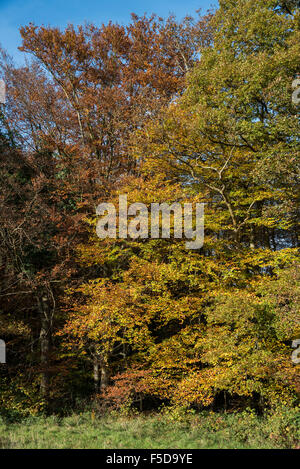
161, 431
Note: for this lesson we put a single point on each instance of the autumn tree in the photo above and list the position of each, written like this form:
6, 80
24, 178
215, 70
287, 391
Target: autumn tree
68, 118
231, 142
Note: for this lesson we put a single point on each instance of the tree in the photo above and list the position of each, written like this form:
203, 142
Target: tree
234, 135
230, 141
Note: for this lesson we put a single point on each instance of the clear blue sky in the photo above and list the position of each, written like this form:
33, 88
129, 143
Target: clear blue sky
15, 13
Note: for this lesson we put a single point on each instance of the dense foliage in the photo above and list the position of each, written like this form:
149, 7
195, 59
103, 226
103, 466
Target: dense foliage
199, 111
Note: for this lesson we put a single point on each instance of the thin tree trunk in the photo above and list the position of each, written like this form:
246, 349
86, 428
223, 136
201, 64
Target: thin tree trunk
104, 376
101, 375
45, 343
96, 374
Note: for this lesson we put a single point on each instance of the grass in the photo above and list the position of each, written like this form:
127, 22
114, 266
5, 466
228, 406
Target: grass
160, 431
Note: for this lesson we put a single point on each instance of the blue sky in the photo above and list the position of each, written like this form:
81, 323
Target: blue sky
15, 13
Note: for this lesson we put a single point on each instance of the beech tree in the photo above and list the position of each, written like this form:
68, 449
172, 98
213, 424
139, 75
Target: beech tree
68, 118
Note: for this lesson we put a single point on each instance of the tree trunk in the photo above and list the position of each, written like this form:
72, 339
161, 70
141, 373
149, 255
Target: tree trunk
101, 375
104, 376
96, 374
45, 343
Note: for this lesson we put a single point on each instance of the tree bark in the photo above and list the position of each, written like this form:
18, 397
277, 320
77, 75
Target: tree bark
104, 376
96, 374
101, 375
45, 343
